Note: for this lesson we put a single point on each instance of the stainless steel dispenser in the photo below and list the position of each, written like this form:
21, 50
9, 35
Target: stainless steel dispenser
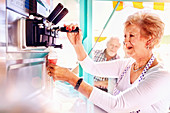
25, 32
42, 31
23, 71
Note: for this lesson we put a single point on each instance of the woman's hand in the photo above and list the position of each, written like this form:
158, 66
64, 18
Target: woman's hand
64, 74
58, 73
74, 37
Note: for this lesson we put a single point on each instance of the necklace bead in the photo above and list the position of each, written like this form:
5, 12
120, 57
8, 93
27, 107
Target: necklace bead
147, 67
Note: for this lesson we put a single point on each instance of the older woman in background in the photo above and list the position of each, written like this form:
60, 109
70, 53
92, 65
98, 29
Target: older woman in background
143, 84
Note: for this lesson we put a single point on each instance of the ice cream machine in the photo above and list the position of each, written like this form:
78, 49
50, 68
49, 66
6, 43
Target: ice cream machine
27, 28
42, 31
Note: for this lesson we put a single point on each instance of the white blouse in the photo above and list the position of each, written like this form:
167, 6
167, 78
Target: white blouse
151, 95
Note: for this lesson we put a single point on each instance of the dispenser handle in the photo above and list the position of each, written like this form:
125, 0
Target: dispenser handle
60, 16
63, 29
54, 13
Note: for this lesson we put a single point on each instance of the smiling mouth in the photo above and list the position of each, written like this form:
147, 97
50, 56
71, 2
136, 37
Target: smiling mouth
129, 47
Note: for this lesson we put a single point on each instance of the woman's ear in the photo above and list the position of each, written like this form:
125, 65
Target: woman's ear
149, 41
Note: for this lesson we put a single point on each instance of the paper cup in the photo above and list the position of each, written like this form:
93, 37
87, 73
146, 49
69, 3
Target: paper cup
53, 61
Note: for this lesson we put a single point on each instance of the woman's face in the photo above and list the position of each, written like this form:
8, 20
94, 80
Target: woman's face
135, 44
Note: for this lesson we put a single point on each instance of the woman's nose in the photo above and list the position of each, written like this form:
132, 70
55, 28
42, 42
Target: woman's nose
126, 40
125, 43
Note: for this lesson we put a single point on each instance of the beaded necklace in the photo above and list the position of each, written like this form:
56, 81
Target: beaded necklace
144, 71
116, 91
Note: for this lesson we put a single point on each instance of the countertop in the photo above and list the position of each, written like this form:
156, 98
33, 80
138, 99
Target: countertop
67, 100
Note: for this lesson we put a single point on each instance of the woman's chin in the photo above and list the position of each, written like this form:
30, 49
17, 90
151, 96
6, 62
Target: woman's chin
130, 54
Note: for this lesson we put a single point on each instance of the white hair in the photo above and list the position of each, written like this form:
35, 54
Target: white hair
113, 38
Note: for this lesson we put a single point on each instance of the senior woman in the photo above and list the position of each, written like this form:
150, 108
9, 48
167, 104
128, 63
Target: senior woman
143, 83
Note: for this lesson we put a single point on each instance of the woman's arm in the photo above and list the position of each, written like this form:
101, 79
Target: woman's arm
150, 91
64, 74
147, 93
104, 69
111, 69
76, 40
